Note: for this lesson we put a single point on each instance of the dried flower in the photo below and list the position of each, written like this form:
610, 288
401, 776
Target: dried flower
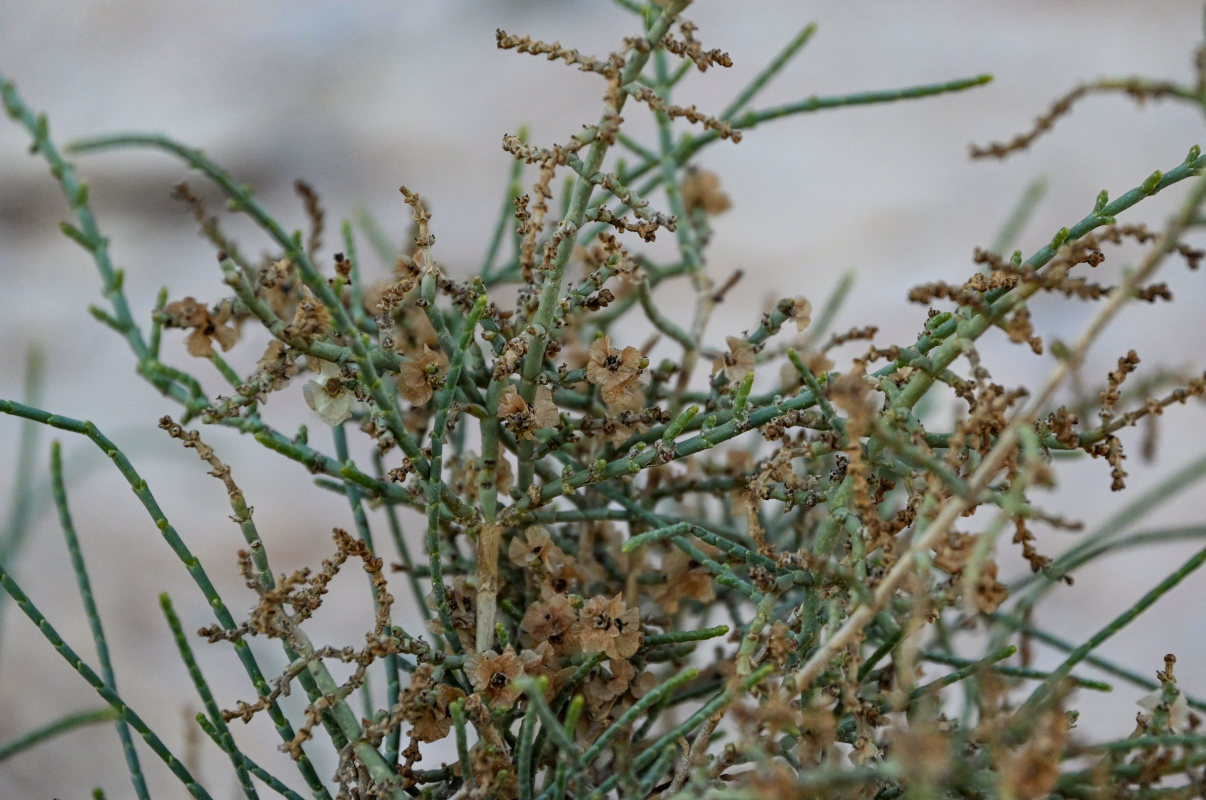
462, 602
536, 552
617, 374
510, 403
542, 661
276, 284
552, 620
609, 626
776, 710
544, 410
701, 189
953, 556
467, 469
609, 367
416, 328
1177, 720
988, 593
1032, 771
801, 313
818, 734
524, 420
421, 375
493, 676
923, 752
311, 319
207, 327
603, 689
535, 546
328, 396
276, 366
779, 644
817, 363
776, 780
563, 574
426, 706
504, 476
685, 577
737, 363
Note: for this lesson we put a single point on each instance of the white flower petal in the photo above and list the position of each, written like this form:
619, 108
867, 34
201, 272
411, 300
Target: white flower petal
334, 409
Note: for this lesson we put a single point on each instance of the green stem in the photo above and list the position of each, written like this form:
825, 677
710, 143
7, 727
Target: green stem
127, 714
64, 724
580, 197
1044, 689
218, 729
434, 481
191, 563
84, 584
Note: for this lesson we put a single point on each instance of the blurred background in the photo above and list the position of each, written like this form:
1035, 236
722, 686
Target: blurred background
361, 98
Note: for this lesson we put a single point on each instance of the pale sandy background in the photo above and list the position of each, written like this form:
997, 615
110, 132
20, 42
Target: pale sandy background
361, 98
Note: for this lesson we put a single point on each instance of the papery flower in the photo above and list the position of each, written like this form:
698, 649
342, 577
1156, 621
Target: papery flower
434, 722
780, 644
953, 556
544, 410
276, 366
504, 476
609, 626
535, 546
621, 428
1034, 769
463, 468
737, 363
524, 420
608, 367
207, 327
311, 319
701, 189
416, 327
421, 375
466, 469
801, 313
604, 687
645, 683
276, 284
535, 551
817, 363
542, 661
552, 620
425, 706
1177, 720
574, 354
462, 604
776, 710
988, 593
493, 676
562, 575
617, 374
327, 395
685, 577
510, 403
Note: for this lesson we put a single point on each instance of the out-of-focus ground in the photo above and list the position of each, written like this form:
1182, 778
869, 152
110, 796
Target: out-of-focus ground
361, 98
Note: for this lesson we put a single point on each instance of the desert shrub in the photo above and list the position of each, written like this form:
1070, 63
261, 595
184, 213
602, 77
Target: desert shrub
744, 565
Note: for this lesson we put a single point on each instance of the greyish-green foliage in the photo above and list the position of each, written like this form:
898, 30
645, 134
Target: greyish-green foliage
641, 577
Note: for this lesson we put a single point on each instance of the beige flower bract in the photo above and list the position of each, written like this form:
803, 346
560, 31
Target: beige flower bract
422, 374
609, 626
617, 373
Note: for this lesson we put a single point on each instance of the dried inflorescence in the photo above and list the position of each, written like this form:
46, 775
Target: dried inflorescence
1136, 88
